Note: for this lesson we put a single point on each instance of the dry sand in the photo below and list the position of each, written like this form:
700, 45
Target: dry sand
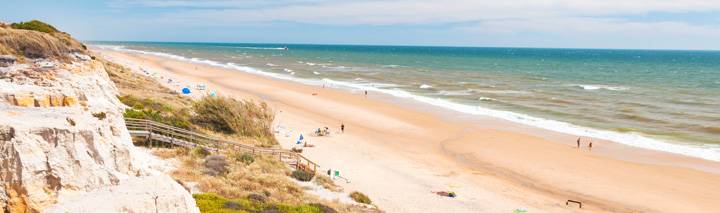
398, 151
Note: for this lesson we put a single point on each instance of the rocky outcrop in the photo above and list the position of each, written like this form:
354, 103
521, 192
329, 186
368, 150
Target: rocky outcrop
56, 156
133, 196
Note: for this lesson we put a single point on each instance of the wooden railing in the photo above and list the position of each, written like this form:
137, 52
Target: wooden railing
177, 136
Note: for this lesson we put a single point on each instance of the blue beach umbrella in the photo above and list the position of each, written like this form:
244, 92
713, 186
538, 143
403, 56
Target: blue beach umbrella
186, 90
299, 139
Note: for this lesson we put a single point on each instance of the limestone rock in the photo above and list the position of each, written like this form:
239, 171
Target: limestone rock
61, 158
24, 101
69, 101
133, 195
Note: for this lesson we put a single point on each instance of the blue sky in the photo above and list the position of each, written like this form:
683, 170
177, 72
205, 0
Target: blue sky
643, 24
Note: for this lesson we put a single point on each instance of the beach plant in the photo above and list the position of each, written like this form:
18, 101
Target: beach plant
245, 158
360, 197
231, 116
150, 109
302, 175
34, 25
215, 165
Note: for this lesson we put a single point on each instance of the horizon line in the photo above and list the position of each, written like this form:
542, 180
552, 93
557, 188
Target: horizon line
405, 45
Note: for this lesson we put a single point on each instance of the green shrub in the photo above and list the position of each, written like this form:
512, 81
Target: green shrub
302, 175
153, 110
215, 203
34, 25
360, 197
246, 158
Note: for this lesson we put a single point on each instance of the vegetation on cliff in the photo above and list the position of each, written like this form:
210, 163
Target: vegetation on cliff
35, 25
35, 39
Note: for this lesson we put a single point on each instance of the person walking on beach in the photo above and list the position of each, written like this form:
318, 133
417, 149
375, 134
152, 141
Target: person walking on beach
365, 93
578, 142
342, 128
590, 146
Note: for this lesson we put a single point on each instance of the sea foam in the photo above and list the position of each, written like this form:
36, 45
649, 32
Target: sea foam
597, 87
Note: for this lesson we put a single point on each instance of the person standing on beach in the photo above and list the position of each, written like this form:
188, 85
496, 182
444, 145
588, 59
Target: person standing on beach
590, 145
342, 128
366, 93
578, 142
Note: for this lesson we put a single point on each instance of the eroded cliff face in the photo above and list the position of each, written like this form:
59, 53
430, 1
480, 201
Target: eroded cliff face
64, 146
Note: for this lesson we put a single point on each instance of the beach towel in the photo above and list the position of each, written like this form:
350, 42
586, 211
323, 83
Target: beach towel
186, 90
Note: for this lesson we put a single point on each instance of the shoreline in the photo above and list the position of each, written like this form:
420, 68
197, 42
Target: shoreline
487, 158
709, 152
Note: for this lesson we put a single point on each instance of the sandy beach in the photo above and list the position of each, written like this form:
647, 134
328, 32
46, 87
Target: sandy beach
397, 151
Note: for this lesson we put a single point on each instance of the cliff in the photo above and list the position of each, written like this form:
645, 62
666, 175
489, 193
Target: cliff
63, 142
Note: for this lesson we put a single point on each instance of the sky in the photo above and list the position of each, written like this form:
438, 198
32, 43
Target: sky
617, 24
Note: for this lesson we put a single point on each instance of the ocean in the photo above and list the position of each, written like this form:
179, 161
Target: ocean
666, 100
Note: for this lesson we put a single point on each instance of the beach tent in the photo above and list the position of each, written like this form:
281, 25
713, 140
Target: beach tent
300, 139
186, 90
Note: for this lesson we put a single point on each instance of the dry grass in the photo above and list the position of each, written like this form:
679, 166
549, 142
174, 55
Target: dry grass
230, 116
265, 176
142, 87
327, 183
34, 44
163, 153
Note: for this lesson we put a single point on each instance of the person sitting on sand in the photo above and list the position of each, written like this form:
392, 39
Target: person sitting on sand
445, 193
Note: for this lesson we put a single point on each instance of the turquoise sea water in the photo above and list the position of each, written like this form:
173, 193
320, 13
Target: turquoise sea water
657, 99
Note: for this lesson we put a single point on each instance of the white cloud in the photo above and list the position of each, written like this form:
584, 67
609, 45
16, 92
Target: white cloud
559, 17
417, 12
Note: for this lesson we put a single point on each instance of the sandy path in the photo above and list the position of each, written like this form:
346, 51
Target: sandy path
398, 153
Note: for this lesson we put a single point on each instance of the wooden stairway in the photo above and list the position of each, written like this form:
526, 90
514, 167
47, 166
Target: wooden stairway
162, 133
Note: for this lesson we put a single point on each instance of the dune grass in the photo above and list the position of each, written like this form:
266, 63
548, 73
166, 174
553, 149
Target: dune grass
231, 116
